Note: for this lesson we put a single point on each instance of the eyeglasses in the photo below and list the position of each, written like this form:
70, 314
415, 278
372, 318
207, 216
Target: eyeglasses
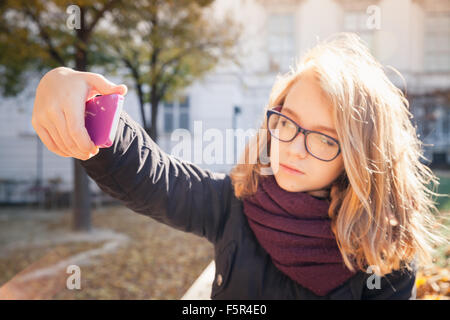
319, 145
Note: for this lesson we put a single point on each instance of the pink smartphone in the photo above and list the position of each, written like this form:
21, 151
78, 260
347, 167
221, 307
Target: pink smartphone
101, 117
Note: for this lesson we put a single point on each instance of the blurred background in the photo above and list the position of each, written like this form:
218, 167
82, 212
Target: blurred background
183, 61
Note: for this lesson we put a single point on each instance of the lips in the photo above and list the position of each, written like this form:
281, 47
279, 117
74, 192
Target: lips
291, 168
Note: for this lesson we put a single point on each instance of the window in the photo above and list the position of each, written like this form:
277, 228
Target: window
446, 124
176, 114
184, 113
356, 21
437, 42
168, 117
281, 41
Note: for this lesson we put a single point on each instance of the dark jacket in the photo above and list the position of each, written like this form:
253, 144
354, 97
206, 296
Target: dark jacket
179, 193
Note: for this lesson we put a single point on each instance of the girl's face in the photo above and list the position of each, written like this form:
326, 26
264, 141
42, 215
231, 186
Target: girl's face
308, 106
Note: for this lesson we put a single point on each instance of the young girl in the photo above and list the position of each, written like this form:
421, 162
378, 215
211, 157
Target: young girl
339, 208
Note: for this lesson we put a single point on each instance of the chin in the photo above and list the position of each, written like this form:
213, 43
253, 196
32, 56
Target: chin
287, 185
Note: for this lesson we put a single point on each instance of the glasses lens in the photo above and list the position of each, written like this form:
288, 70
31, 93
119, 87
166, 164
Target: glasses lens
281, 127
318, 144
321, 146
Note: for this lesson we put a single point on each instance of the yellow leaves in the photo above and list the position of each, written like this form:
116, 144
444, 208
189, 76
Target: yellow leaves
433, 297
433, 284
420, 281
158, 262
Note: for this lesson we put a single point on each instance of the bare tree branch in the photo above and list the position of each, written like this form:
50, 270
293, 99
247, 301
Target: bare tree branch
100, 14
45, 36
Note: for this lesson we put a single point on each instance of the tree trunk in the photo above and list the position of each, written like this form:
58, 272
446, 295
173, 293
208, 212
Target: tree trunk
81, 199
82, 196
139, 91
154, 101
141, 104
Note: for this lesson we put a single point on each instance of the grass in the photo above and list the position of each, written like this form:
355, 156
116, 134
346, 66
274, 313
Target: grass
443, 188
443, 205
433, 283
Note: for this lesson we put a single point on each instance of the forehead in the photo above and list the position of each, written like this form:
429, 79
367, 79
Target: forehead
307, 88
307, 104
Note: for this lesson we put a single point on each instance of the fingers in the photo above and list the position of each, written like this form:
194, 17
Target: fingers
53, 146
76, 128
102, 85
62, 144
48, 141
58, 130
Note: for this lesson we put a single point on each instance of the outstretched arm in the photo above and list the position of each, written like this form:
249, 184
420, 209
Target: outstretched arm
149, 181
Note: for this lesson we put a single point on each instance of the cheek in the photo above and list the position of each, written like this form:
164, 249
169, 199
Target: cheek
276, 152
276, 155
328, 171
338, 165
320, 171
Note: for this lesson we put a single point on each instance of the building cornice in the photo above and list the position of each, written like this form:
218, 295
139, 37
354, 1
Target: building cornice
434, 5
356, 5
279, 2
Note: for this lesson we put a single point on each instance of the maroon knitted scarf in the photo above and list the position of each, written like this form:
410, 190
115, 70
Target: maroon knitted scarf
294, 229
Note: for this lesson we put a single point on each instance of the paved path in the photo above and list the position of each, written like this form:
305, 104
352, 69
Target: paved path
201, 288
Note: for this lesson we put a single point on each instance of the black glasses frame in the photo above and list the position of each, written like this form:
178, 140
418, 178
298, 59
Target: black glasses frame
302, 130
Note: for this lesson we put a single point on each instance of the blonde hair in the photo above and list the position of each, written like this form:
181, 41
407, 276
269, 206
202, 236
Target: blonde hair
381, 211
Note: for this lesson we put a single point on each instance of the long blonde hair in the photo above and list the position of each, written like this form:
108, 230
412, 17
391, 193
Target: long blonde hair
381, 209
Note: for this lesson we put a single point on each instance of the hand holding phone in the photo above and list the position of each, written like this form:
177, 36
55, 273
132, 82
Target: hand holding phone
102, 117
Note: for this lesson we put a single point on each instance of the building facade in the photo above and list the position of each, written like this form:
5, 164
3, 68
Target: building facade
411, 35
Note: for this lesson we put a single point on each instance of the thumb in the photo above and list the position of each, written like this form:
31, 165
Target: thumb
103, 86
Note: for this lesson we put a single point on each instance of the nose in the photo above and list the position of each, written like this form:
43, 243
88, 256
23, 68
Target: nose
297, 146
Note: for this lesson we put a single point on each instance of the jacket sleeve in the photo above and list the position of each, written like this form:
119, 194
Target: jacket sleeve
136, 171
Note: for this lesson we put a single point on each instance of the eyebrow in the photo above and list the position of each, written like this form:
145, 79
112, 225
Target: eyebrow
319, 127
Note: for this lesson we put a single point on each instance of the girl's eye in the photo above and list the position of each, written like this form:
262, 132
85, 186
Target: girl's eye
327, 141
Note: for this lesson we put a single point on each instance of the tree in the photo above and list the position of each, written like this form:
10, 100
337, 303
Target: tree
45, 41
155, 40
166, 45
